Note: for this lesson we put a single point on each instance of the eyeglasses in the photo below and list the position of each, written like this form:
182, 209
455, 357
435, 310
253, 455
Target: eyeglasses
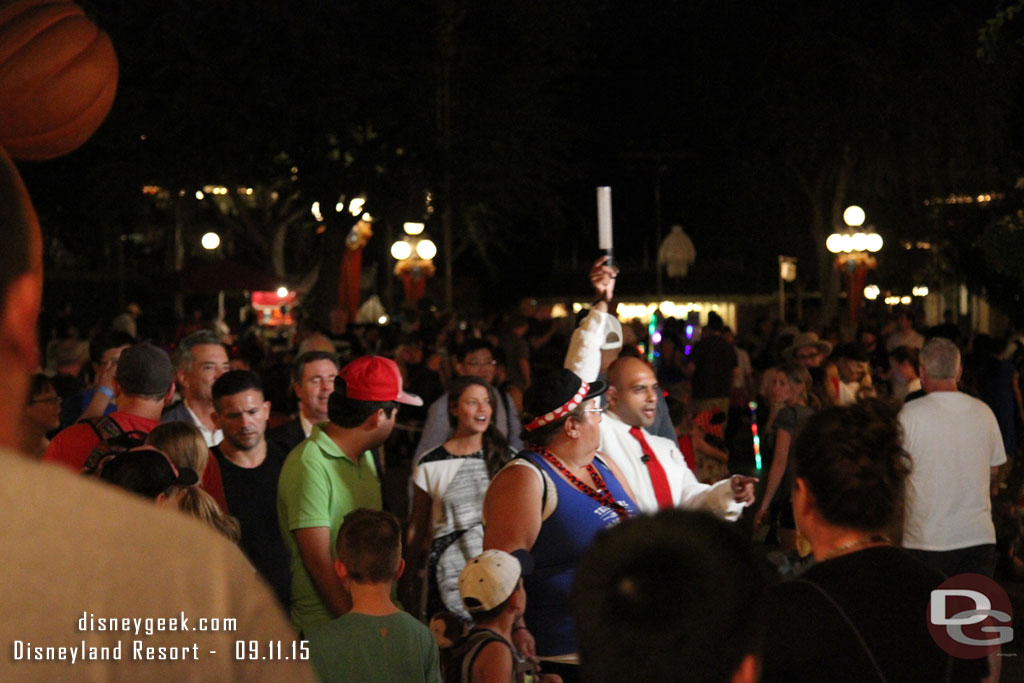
52, 399
807, 355
595, 410
478, 363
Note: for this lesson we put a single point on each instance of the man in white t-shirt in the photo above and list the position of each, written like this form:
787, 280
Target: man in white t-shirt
955, 448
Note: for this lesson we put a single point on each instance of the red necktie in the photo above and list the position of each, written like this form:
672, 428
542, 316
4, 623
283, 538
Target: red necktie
654, 469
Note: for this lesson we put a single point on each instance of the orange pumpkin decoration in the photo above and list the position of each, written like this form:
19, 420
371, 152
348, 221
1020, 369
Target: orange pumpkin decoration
58, 76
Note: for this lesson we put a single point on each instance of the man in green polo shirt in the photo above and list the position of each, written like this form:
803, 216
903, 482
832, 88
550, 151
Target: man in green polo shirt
330, 474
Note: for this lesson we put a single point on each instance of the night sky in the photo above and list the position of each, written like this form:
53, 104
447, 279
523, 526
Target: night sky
755, 120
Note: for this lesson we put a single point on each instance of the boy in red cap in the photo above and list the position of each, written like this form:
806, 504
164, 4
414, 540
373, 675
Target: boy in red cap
330, 474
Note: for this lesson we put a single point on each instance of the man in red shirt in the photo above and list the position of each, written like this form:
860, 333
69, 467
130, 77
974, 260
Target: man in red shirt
144, 380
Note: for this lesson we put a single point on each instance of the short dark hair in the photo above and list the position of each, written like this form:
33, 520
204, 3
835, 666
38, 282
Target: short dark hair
906, 354
39, 383
234, 382
714, 321
656, 596
310, 357
853, 462
370, 545
104, 341
471, 346
183, 354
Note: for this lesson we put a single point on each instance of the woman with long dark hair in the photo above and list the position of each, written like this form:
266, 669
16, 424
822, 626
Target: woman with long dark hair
449, 484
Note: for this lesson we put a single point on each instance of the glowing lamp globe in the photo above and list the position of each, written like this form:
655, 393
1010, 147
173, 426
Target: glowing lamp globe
210, 241
426, 250
401, 250
853, 216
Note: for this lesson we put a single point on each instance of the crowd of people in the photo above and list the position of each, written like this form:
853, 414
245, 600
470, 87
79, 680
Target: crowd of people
565, 508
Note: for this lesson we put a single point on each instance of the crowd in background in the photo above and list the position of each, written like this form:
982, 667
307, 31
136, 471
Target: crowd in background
734, 404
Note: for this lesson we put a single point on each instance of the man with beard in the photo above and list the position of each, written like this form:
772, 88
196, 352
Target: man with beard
250, 466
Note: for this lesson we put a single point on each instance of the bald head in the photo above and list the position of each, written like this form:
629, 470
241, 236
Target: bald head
633, 395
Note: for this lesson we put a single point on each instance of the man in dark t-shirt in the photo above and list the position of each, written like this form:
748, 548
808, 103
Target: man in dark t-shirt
250, 467
714, 362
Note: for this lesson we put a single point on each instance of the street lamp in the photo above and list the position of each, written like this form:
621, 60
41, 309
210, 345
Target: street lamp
414, 254
210, 241
854, 249
851, 241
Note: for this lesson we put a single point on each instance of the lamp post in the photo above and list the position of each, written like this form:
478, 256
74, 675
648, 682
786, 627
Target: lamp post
414, 254
854, 249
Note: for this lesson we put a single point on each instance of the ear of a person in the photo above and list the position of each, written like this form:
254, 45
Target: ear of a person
803, 499
21, 310
611, 396
749, 670
340, 569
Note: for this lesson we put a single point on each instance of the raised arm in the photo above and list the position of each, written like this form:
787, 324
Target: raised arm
584, 356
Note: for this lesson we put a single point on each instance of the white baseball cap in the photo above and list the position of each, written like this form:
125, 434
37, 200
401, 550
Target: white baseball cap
611, 333
491, 577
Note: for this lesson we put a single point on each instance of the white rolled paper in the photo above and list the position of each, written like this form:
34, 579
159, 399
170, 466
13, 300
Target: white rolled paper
604, 218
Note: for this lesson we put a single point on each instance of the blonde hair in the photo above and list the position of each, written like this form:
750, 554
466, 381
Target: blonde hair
201, 504
183, 443
185, 446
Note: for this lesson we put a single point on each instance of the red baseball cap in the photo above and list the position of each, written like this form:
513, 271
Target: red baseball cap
376, 378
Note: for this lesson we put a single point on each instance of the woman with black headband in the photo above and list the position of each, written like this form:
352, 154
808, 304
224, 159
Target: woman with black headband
552, 500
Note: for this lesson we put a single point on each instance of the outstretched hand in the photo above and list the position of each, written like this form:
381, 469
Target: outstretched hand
602, 279
524, 642
742, 488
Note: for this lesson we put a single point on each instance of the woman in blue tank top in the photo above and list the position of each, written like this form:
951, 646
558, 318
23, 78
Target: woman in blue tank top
552, 500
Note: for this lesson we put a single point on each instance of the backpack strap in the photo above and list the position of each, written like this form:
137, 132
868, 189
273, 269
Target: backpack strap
105, 427
849, 622
476, 640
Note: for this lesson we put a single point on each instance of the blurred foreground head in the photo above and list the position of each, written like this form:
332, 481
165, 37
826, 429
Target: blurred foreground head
669, 596
21, 287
